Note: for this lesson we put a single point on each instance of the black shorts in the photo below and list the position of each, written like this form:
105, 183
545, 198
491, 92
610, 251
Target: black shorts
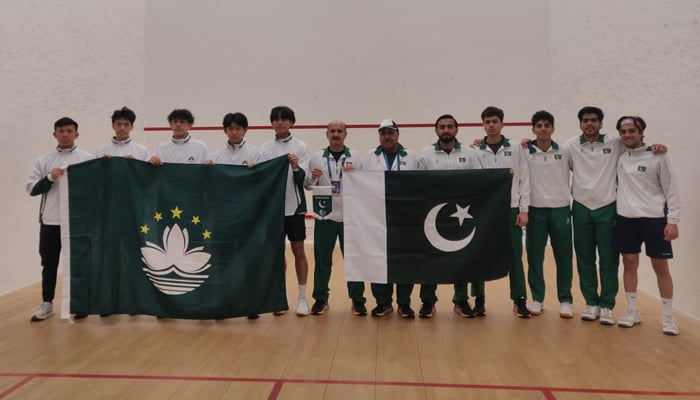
631, 232
295, 227
50, 245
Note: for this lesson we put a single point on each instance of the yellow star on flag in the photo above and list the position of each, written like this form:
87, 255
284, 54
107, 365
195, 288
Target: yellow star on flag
195, 220
158, 216
176, 212
206, 234
145, 229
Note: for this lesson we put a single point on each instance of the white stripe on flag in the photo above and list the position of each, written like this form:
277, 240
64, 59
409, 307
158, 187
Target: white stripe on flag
364, 223
65, 244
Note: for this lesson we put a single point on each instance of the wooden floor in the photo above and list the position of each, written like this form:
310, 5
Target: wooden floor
341, 356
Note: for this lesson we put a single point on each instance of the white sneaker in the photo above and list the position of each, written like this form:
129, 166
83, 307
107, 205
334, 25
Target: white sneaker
629, 318
606, 316
44, 311
536, 308
566, 310
669, 325
303, 307
591, 313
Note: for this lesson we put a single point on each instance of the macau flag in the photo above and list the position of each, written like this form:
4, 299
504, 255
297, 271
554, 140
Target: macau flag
178, 241
427, 226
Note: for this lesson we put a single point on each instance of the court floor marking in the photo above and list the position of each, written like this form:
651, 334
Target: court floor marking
278, 384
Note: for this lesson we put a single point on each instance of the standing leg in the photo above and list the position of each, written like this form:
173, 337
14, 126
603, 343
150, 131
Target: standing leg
560, 236
584, 243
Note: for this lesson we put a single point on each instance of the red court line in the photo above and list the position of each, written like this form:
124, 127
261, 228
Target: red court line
279, 382
324, 126
548, 395
275, 391
16, 386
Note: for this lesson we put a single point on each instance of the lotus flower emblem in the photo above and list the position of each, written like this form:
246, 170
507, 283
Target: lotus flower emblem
174, 269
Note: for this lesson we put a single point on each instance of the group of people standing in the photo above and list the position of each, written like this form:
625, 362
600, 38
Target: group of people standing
616, 192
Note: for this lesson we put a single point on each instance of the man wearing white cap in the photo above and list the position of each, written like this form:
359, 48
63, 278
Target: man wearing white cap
390, 155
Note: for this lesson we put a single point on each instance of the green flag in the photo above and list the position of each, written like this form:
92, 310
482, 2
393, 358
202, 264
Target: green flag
179, 241
427, 226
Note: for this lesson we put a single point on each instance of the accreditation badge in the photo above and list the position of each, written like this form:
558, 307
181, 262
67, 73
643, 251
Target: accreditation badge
336, 188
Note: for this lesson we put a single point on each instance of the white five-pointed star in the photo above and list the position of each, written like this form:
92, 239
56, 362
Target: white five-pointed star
462, 214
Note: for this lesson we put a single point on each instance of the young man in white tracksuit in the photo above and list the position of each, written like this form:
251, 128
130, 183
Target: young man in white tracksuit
182, 148
122, 145
549, 215
648, 210
496, 151
48, 169
282, 119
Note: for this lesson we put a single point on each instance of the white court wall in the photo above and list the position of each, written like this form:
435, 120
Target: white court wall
360, 61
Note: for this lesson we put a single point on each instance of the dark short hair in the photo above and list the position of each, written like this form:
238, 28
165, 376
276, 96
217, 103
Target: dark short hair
492, 111
64, 122
445, 116
282, 112
542, 115
181, 113
124, 113
590, 110
638, 122
235, 118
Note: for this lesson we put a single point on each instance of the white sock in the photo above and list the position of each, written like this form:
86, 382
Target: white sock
666, 306
631, 300
302, 291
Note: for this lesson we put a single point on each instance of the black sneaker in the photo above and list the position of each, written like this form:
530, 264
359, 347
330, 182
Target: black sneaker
382, 310
253, 316
480, 306
319, 307
427, 310
406, 311
359, 308
463, 309
520, 308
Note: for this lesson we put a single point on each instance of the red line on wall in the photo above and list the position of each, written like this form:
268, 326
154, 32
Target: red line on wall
279, 382
323, 126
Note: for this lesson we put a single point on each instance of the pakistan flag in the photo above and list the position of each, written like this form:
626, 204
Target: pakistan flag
427, 226
178, 241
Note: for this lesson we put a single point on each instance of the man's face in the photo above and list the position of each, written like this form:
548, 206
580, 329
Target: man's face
446, 130
122, 129
590, 124
389, 139
336, 134
493, 126
543, 130
235, 133
281, 126
180, 127
65, 136
631, 136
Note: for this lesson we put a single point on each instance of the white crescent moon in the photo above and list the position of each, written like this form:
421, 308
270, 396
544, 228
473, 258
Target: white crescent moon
437, 240
322, 203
